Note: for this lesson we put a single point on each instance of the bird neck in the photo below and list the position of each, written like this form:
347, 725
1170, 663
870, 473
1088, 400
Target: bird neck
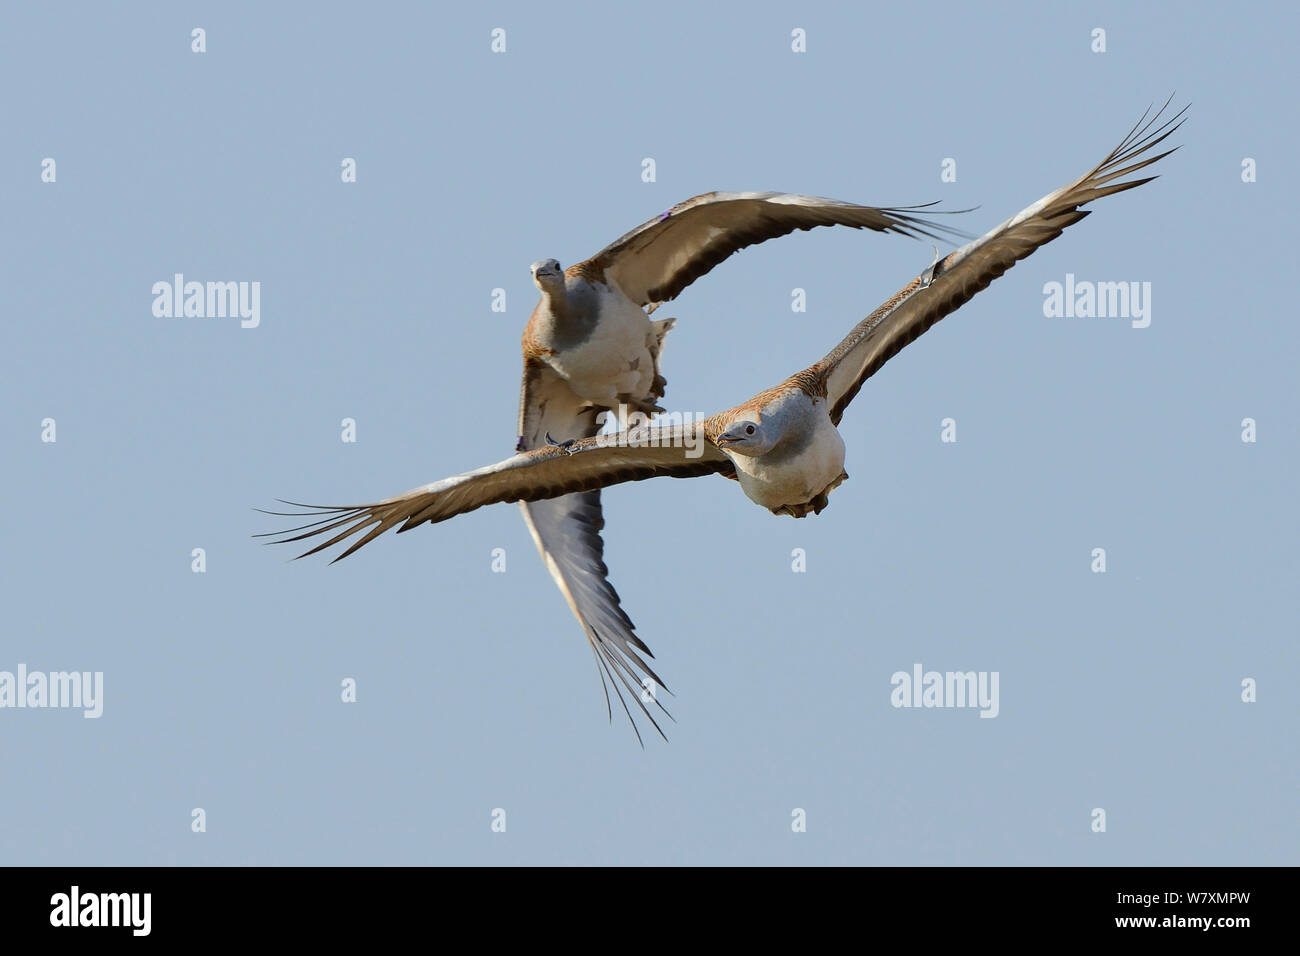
556, 301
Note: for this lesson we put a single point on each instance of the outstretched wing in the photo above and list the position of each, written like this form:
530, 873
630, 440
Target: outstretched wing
567, 533
951, 282
656, 261
567, 530
583, 466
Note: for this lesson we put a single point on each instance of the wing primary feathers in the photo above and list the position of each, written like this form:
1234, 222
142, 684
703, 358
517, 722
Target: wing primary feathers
615, 666
292, 514
605, 664
595, 657
654, 262
951, 282
915, 227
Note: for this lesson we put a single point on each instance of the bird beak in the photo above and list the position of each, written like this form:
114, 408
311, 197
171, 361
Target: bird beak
726, 438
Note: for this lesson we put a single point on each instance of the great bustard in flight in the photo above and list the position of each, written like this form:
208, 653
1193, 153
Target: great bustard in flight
783, 445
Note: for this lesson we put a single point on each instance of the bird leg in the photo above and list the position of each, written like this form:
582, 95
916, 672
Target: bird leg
646, 406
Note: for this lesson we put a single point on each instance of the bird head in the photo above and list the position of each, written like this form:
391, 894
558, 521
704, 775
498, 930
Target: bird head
746, 437
547, 274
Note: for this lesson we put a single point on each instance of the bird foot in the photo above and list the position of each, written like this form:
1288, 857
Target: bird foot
816, 504
565, 446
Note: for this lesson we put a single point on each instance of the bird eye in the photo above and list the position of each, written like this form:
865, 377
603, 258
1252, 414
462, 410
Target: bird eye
749, 429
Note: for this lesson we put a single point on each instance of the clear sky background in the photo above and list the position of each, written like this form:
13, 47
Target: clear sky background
476, 689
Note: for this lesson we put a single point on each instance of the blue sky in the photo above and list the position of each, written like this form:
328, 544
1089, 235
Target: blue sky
475, 690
